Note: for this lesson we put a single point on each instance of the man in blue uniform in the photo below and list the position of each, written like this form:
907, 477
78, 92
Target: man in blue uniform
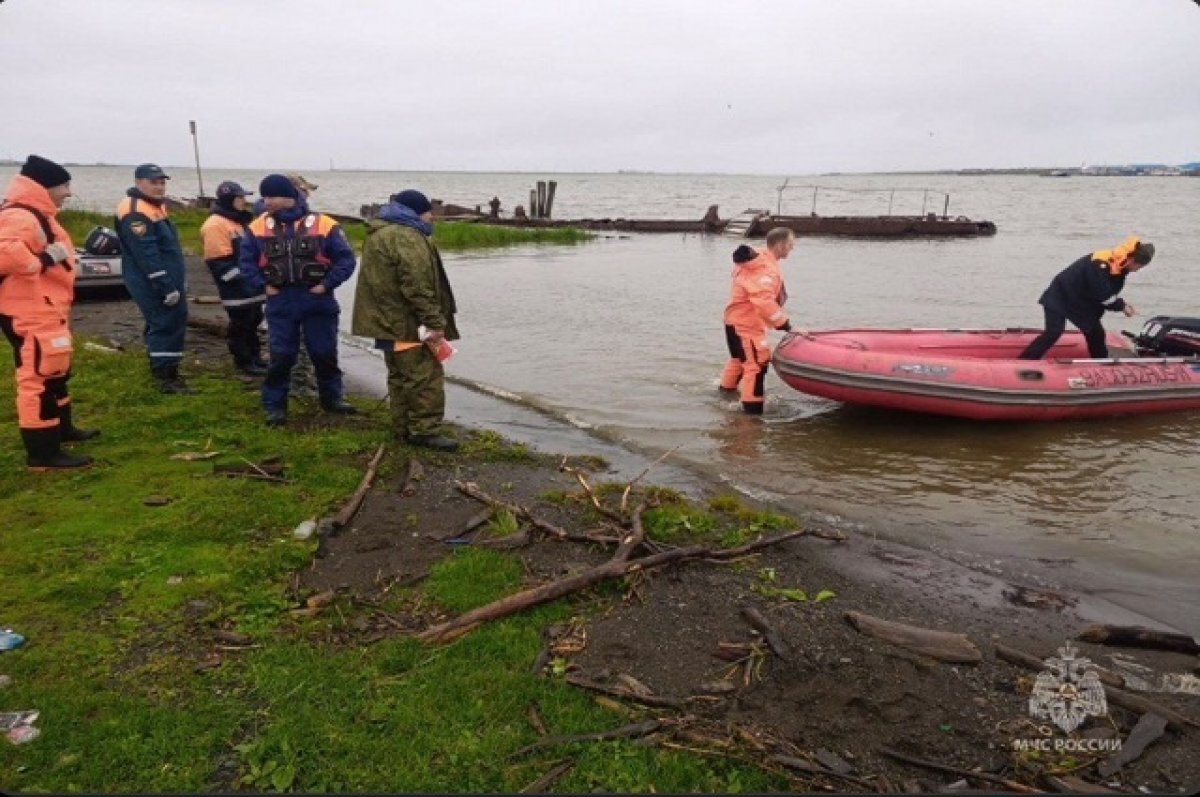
153, 269
299, 258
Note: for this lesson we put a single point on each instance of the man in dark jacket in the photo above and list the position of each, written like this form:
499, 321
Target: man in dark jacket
404, 302
1081, 293
298, 258
153, 269
221, 234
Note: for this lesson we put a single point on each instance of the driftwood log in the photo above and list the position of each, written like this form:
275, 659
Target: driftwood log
1148, 729
1134, 637
1118, 697
941, 645
347, 512
1014, 656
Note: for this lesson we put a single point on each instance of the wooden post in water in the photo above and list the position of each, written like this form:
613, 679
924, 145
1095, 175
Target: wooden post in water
541, 199
891, 199
550, 198
196, 149
533, 209
946, 208
924, 201
816, 188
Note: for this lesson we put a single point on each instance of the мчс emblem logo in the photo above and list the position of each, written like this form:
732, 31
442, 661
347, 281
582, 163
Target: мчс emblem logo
1068, 691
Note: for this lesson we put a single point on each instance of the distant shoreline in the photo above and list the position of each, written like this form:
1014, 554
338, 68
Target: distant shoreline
1133, 170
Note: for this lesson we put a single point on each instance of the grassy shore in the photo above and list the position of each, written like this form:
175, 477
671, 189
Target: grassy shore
449, 236
120, 599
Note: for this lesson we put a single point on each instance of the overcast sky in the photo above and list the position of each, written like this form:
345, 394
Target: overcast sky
741, 86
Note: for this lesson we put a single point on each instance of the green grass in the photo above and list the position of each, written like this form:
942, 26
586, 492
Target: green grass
116, 599
449, 236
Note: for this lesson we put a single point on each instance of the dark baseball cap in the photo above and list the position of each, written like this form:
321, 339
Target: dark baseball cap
150, 171
230, 188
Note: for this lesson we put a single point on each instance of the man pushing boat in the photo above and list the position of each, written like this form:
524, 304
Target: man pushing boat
1084, 290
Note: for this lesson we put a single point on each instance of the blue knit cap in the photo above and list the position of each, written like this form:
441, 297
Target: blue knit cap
413, 200
278, 185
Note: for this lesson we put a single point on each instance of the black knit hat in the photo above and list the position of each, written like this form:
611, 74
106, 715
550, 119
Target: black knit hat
744, 254
45, 173
414, 200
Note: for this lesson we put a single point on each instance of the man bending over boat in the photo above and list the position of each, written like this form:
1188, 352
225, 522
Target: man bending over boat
1081, 293
755, 308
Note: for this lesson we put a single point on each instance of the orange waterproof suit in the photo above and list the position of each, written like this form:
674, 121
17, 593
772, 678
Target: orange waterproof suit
755, 307
35, 303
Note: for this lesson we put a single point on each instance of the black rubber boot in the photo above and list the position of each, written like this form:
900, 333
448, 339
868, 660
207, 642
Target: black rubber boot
168, 380
276, 418
45, 453
339, 407
252, 368
435, 441
69, 432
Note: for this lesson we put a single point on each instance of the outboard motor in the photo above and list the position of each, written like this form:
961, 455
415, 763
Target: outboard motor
1166, 336
102, 241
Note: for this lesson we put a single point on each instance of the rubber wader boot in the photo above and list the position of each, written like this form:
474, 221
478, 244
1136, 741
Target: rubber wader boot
44, 450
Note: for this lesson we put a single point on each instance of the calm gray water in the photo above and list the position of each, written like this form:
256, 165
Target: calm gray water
625, 334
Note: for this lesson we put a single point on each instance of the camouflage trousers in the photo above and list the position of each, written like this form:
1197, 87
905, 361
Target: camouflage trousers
416, 392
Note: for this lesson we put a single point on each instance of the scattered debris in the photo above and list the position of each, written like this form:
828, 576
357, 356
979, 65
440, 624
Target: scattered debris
770, 635
542, 785
1114, 695
157, 500
271, 471
984, 777
305, 530
1033, 598
632, 731
10, 640
18, 726
193, 456
1144, 679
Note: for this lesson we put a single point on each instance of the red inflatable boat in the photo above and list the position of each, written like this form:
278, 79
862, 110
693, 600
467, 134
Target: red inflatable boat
975, 373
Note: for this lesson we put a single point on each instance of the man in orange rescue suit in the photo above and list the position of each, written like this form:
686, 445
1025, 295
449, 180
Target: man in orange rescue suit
299, 258
755, 307
222, 234
37, 285
153, 270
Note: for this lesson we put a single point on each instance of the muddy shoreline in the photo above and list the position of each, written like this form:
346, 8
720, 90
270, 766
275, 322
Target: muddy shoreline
843, 692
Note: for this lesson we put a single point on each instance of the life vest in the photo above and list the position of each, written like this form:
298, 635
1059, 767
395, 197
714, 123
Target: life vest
1117, 259
296, 259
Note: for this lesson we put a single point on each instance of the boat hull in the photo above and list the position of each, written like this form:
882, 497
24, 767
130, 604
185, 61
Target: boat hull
975, 374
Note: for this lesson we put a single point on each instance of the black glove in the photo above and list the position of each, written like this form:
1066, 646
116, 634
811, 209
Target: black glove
787, 327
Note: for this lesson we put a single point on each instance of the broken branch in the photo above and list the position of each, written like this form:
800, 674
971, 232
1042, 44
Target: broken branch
347, 513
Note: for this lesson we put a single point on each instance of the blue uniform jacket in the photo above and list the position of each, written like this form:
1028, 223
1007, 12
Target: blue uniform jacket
150, 248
